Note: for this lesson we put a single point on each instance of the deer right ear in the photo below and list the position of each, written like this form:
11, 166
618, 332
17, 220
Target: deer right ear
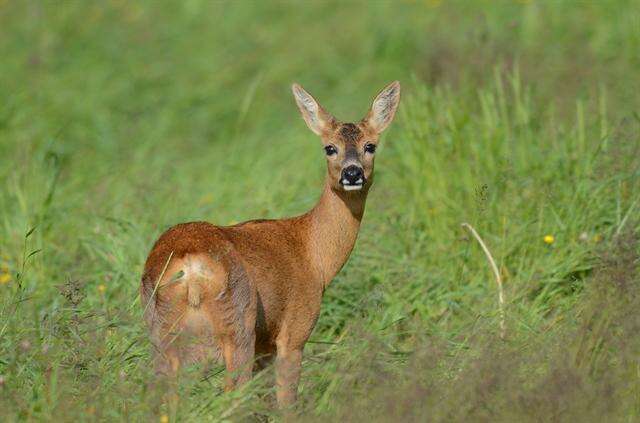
314, 115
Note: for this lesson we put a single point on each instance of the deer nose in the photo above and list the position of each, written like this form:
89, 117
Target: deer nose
352, 175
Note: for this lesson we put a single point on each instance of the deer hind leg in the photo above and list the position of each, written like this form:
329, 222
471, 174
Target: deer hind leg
167, 362
238, 361
233, 312
165, 330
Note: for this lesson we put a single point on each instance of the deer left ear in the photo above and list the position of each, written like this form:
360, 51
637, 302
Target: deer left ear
384, 107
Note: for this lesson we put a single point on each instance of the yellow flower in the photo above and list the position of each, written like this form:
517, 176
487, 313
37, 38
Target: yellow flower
5, 278
597, 238
548, 239
102, 288
164, 419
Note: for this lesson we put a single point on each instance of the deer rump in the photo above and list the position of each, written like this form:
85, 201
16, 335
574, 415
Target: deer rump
195, 304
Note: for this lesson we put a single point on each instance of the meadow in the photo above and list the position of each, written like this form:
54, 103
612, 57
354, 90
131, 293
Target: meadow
119, 119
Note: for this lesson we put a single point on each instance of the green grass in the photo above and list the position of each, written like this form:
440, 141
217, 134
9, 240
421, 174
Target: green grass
118, 120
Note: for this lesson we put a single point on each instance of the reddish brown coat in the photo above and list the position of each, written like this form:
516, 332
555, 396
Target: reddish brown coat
253, 290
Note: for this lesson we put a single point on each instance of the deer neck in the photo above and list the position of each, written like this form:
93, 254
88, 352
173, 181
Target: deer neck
332, 230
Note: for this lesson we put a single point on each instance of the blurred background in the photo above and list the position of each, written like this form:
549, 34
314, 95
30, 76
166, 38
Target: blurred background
119, 119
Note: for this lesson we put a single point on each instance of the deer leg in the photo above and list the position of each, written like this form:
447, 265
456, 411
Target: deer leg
238, 360
167, 362
167, 365
288, 363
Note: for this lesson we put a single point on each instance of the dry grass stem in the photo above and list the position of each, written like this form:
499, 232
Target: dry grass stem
496, 272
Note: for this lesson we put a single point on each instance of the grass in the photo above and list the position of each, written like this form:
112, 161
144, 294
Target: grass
120, 119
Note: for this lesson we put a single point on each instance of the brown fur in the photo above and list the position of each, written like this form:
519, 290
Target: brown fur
254, 289
350, 132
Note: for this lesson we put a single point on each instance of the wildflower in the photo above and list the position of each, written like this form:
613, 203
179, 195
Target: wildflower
597, 238
102, 288
5, 278
164, 419
549, 239
584, 237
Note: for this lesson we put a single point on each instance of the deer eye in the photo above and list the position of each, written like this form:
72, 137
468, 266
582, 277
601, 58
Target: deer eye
370, 148
330, 150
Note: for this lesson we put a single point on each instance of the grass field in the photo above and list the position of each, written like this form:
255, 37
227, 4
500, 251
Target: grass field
120, 119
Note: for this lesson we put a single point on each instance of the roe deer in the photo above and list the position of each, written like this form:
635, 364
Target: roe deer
254, 289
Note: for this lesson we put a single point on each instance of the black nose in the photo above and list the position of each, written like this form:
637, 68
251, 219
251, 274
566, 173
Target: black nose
352, 175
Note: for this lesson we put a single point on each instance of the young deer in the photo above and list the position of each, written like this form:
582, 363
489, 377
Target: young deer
254, 289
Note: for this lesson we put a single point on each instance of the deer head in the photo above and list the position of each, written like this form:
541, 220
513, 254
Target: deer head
349, 147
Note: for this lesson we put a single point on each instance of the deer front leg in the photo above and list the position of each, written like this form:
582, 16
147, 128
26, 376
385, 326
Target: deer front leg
288, 363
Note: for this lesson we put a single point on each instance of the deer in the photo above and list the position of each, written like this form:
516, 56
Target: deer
248, 294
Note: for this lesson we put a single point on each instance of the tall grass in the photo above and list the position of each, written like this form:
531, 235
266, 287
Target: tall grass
121, 119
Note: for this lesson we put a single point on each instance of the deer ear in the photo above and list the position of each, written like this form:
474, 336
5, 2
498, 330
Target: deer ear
384, 107
314, 115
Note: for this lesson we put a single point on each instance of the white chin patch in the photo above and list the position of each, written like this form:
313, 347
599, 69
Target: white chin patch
352, 187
